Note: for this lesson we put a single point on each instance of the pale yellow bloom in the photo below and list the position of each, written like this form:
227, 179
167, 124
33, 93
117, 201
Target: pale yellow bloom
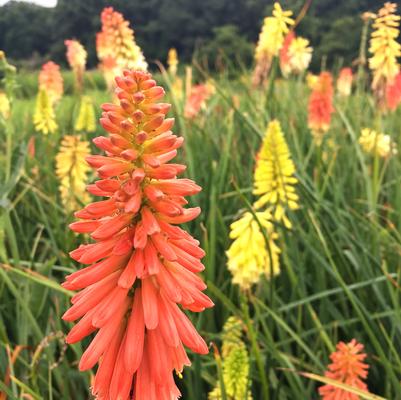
384, 46
235, 364
72, 170
248, 256
300, 54
274, 178
376, 143
86, 120
172, 61
44, 117
4, 106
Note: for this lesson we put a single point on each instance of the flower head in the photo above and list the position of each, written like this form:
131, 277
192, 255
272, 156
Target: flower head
4, 106
347, 367
300, 55
248, 256
197, 99
284, 55
393, 93
271, 40
312, 80
376, 144
384, 47
116, 46
142, 265
235, 363
44, 117
86, 120
321, 106
172, 61
274, 178
72, 170
76, 57
344, 82
51, 81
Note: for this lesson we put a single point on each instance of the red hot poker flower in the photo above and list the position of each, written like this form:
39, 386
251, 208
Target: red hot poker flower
347, 367
284, 56
321, 105
393, 93
142, 265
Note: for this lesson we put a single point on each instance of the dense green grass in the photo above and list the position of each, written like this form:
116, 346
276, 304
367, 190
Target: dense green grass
340, 276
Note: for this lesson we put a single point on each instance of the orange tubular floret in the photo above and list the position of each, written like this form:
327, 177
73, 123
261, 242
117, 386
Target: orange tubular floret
141, 266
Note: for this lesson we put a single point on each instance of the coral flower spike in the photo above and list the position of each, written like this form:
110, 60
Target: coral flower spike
142, 266
347, 367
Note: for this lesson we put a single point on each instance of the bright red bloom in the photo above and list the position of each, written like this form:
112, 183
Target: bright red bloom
143, 264
393, 93
321, 104
284, 55
347, 367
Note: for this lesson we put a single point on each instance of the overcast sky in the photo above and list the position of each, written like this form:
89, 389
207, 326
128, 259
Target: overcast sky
46, 3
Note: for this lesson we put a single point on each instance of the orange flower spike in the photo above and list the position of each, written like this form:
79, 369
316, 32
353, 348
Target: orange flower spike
76, 57
197, 99
284, 55
51, 81
321, 106
347, 367
116, 47
143, 266
393, 93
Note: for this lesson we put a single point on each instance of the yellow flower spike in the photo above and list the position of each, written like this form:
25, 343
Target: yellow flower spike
248, 257
283, 18
274, 178
377, 144
172, 61
86, 120
384, 48
72, 170
235, 363
4, 106
44, 117
300, 55
271, 40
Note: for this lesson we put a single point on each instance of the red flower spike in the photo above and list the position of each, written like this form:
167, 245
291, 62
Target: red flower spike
141, 268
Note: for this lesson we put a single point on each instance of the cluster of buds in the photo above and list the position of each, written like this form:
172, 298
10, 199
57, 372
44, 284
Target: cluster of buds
116, 46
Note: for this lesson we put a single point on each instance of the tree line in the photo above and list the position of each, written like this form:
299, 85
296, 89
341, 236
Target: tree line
213, 30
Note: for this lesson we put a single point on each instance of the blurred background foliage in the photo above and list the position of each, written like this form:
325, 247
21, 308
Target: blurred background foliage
197, 29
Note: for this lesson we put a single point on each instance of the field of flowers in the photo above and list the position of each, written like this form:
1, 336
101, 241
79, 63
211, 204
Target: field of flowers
279, 275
